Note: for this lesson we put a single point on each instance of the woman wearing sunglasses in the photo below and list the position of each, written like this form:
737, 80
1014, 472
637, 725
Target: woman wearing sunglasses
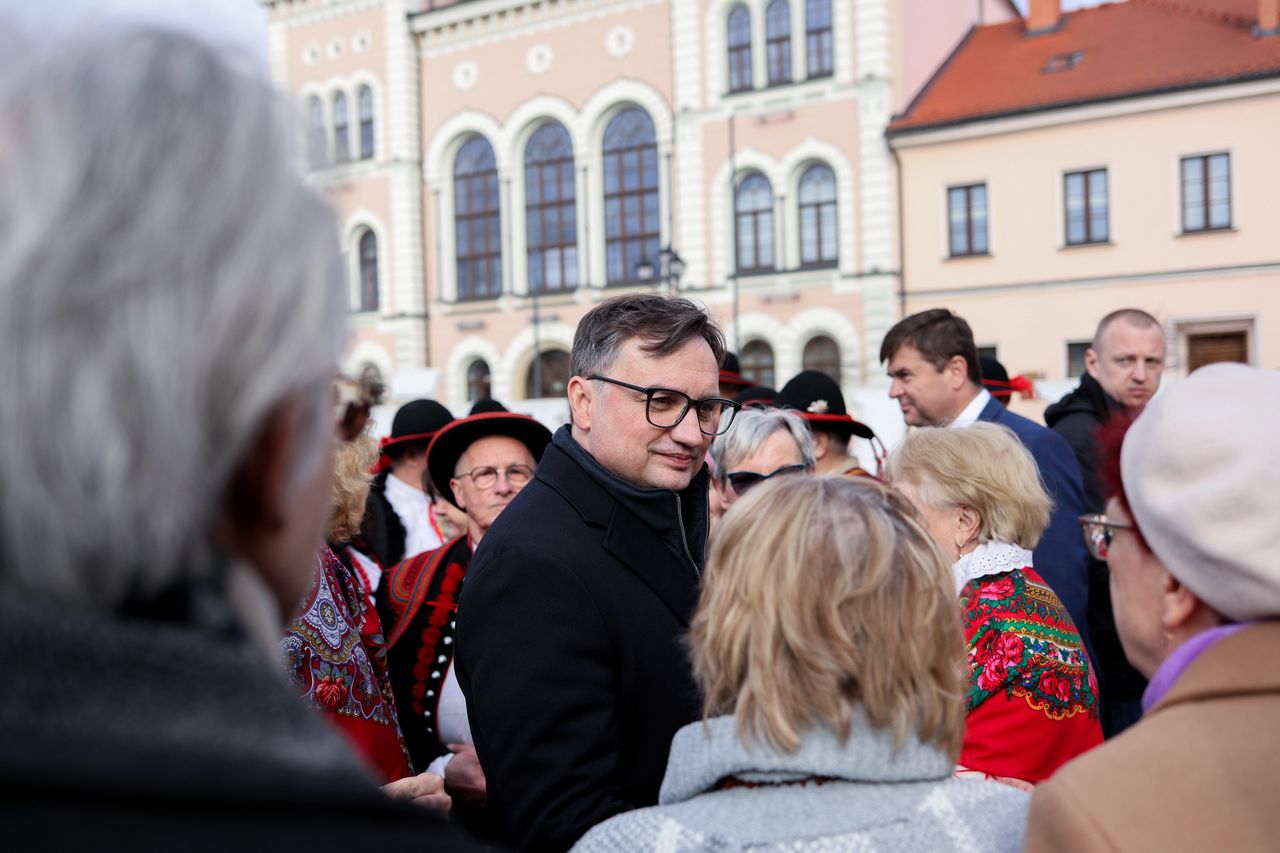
1191, 536
762, 444
1031, 698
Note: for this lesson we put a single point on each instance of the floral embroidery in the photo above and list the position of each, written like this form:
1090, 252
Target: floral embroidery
1023, 644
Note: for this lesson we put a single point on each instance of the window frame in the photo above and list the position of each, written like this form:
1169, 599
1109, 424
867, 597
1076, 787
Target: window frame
490, 259
1206, 200
559, 209
368, 141
808, 363
758, 230
618, 158
738, 54
341, 128
367, 266
1090, 238
759, 373
820, 217
819, 41
970, 252
778, 44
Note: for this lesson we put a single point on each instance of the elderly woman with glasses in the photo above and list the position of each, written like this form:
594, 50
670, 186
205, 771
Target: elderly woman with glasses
828, 648
1191, 536
762, 444
1031, 698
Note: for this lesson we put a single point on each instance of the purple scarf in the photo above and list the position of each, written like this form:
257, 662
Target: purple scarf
1176, 664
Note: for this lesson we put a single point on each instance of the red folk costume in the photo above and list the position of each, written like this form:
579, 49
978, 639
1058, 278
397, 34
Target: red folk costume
1032, 699
332, 653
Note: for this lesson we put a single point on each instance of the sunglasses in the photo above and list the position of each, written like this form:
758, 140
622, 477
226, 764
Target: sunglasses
743, 481
1098, 533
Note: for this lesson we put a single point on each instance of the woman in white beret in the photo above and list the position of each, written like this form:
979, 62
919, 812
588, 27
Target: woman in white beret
1192, 538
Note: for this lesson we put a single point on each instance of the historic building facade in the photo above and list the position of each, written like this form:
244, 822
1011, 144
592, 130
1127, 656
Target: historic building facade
500, 166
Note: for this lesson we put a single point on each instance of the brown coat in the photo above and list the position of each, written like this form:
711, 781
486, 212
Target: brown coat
1201, 771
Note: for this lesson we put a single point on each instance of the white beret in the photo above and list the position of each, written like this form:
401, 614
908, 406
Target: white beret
1201, 470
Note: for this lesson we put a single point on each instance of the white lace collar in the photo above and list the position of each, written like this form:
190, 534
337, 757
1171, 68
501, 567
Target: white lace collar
989, 558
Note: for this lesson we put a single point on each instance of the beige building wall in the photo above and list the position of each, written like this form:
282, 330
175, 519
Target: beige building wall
1033, 294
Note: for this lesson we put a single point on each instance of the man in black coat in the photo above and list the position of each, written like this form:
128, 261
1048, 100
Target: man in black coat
1123, 366
571, 621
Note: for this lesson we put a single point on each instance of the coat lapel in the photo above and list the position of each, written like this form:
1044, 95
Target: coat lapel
640, 549
991, 411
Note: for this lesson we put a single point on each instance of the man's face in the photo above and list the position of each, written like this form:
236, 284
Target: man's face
483, 505
1128, 362
928, 396
612, 424
777, 451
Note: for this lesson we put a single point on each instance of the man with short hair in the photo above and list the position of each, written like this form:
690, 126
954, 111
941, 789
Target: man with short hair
398, 522
571, 623
933, 364
478, 464
1123, 368
761, 445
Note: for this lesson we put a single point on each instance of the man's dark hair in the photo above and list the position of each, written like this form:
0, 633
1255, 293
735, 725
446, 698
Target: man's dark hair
1132, 316
662, 323
939, 336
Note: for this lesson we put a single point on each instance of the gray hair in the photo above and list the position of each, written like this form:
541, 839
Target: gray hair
167, 279
750, 429
664, 323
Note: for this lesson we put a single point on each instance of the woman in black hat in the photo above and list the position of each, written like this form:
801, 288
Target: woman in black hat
817, 397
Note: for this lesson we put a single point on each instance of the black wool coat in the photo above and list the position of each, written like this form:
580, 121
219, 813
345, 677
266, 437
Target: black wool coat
570, 645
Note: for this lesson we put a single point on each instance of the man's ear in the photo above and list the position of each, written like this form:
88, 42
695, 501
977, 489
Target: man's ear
957, 371
1091, 362
581, 396
259, 489
454, 482
821, 445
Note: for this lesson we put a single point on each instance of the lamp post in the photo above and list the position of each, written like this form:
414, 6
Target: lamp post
669, 269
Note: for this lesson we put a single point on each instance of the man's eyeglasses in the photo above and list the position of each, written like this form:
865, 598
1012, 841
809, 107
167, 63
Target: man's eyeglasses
665, 408
486, 477
1098, 534
744, 480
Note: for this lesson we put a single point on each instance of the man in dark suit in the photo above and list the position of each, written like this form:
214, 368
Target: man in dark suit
572, 615
933, 363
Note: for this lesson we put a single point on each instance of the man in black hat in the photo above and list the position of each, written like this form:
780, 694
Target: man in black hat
817, 397
397, 519
478, 464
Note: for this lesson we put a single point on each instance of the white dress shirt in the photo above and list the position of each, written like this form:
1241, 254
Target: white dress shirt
969, 416
414, 510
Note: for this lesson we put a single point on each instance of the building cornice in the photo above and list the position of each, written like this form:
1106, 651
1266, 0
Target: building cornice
1092, 110
302, 13
485, 21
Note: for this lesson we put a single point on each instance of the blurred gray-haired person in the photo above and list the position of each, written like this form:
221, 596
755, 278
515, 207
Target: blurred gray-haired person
171, 313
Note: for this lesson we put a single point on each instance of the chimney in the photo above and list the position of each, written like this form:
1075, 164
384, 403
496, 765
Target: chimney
1044, 16
1268, 18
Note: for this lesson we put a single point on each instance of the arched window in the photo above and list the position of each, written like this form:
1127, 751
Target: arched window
630, 194
477, 221
341, 129
818, 230
551, 225
753, 218
368, 272
478, 384
554, 375
823, 355
366, 123
777, 35
739, 30
757, 363
317, 146
817, 26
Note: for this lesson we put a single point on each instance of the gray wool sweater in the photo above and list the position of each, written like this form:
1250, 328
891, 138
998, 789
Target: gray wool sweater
878, 799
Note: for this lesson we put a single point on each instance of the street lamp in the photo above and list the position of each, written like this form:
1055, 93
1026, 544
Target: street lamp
669, 269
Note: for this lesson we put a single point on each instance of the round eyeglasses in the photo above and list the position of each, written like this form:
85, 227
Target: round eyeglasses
1098, 533
666, 408
486, 477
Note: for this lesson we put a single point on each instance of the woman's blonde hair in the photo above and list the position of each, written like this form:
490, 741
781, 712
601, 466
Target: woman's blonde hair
983, 466
351, 478
823, 594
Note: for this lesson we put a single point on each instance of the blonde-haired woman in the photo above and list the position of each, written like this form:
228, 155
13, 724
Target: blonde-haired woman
1031, 698
829, 649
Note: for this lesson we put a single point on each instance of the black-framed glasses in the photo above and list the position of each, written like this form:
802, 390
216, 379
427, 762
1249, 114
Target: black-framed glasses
665, 408
744, 480
486, 476
1098, 533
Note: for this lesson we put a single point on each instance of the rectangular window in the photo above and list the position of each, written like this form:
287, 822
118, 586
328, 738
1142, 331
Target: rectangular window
1085, 207
1075, 358
967, 220
1206, 193
817, 15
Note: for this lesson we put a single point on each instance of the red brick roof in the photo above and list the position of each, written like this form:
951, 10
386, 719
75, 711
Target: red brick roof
1125, 49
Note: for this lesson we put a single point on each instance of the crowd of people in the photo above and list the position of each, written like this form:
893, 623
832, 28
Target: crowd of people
687, 619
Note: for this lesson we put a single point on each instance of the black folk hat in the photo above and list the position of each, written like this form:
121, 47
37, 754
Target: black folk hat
452, 441
816, 396
417, 420
487, 404
756, 397
731, 372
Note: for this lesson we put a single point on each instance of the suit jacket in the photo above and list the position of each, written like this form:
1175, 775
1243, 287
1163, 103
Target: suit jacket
570, 645
1061, 557
1198, 772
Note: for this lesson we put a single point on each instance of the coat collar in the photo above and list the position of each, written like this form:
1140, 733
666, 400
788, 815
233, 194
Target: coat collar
1242, 664
703, 753
993, 411
636, 520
